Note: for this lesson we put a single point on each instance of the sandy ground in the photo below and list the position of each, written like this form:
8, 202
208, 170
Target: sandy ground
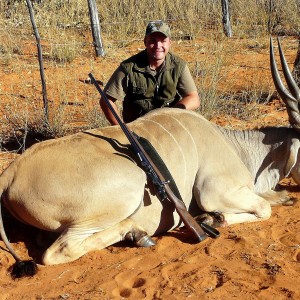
248, 261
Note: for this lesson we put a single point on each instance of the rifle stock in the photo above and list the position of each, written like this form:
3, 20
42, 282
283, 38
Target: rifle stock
186, 218
157, 178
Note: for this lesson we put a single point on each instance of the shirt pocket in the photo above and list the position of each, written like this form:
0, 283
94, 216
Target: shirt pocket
139, 90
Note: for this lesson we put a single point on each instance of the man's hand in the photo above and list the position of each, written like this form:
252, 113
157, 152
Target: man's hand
190, 101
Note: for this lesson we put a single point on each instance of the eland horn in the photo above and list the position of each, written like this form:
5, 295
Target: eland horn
290, 96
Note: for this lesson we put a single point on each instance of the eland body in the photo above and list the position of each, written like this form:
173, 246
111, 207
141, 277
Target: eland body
89, 188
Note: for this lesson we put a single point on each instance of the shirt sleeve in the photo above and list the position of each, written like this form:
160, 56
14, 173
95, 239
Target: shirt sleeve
116, 86
186, 83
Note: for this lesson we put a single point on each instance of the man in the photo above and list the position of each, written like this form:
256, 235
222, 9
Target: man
151, 79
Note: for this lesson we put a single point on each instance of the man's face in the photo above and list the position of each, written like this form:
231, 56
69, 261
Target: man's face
158, 46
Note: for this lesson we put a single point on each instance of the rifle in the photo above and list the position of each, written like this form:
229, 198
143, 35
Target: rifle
164, 190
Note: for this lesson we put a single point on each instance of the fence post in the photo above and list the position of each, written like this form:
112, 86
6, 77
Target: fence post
226, 18
95, 25
40, 57
271, 15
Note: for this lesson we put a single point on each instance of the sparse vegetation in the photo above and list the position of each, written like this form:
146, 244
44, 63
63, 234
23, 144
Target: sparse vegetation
208, 73
68, 51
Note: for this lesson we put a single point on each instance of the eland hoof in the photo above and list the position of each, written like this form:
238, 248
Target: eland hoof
145, 241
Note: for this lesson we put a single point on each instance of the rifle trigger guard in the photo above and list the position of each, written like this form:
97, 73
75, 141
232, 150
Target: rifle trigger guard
165, 182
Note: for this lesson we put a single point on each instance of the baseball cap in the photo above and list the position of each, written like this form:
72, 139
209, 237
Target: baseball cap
158, 26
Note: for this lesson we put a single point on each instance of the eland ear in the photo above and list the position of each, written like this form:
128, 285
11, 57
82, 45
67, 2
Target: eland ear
292, 159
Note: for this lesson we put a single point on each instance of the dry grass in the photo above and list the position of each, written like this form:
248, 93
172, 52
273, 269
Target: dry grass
67, 48
208, 73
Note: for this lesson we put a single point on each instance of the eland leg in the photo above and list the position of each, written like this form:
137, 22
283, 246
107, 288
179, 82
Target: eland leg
277, 198
248, 210
214, 219
239, 206
78, 240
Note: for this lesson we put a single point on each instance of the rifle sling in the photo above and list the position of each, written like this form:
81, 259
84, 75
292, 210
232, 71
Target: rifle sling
159, 163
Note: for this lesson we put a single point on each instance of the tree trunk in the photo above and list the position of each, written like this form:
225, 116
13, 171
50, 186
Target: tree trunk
40, 57
296, 70
95, 25
226, 18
